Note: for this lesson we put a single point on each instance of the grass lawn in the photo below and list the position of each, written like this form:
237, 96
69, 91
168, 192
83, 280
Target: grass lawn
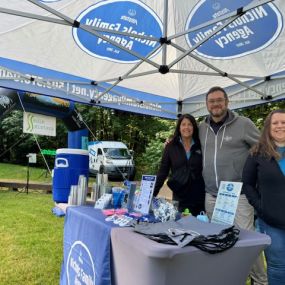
31, 239
19, 172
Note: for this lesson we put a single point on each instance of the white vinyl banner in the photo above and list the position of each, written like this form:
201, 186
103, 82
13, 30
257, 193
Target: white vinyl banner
39, 124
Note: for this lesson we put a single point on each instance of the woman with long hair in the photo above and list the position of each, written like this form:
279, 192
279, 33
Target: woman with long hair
264, 186
183, 155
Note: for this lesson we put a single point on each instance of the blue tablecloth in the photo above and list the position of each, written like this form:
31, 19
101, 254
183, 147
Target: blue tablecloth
87, 248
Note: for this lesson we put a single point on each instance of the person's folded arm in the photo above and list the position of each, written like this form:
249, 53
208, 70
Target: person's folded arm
163, 171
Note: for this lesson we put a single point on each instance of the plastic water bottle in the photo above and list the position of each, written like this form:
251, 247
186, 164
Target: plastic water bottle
131, 196
203, 217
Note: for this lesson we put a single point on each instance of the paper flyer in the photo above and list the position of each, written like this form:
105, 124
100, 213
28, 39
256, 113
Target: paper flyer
226, 202
144, 200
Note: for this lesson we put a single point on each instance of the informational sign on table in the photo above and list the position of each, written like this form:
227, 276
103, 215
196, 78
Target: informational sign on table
144, 200
226, 202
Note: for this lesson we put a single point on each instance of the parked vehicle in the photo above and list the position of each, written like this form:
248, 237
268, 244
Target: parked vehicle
112, 158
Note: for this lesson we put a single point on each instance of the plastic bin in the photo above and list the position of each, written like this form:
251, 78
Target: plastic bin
69, 164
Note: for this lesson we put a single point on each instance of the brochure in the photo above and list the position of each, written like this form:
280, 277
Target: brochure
226, 202
143, 202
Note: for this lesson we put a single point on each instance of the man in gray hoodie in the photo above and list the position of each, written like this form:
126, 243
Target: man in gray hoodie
226, 139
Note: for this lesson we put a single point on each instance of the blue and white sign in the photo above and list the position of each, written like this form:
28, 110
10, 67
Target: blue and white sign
142, 205
121, 98
80, 266
251, 32
132, 17
226, 202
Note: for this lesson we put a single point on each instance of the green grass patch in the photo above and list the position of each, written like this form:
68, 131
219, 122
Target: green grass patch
31, 248
19, 172
15, 172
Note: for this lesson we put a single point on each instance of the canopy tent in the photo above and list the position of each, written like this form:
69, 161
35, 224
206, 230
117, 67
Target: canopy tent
152, 57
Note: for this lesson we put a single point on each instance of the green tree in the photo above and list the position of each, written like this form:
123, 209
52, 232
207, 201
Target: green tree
258, 113
143, 134
133, 129
149, 161
15, 143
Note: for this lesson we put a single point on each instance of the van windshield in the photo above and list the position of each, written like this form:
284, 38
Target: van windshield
117, 153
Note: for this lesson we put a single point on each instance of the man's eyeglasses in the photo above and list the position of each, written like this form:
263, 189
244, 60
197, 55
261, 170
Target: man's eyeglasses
218, 101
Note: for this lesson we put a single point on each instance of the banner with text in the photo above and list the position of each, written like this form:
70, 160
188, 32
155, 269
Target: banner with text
39, 124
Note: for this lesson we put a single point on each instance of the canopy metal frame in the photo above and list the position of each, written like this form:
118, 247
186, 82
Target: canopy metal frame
165, 42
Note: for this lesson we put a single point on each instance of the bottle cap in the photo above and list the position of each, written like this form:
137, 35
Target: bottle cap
186, 212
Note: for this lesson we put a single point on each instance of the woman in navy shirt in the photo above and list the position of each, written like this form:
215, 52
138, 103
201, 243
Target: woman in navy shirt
264, 186
184, 152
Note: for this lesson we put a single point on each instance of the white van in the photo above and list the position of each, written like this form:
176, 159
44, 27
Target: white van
112, 158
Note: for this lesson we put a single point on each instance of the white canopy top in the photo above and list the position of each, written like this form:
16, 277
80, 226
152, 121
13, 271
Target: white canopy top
151, 57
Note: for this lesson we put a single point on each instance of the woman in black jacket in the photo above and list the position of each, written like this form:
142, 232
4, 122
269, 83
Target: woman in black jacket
183, 154
264, 186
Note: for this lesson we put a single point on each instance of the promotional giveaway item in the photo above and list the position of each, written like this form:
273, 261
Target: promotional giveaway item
131, 196
212, 238
226, 203
163, 211
144, 200
103, 202
118, 195
203, 217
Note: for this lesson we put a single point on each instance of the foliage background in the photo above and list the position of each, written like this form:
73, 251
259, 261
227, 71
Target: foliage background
143, 134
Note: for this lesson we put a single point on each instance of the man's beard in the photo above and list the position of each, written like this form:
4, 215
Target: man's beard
219, 114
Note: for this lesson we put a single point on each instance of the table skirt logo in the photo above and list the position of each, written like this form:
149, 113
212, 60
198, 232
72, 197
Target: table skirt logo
243, 36
132, 17
80, 267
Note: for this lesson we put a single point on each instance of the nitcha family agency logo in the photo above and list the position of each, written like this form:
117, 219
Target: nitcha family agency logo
129, 17
243, 36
